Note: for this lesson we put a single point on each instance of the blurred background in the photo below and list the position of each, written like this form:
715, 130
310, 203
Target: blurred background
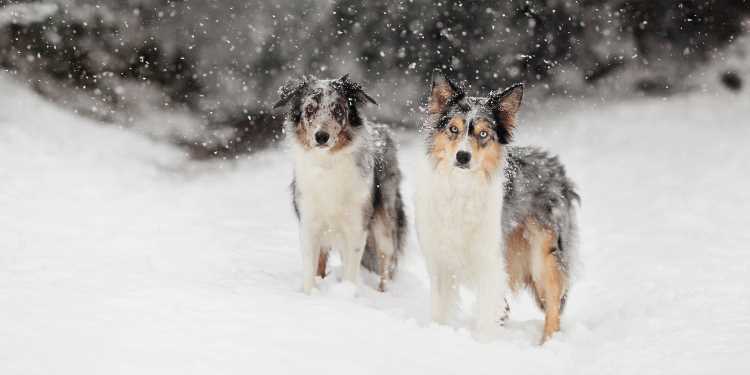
146, 225
203, 73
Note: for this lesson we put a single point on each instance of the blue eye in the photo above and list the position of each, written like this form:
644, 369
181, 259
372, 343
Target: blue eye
454, 129
483, 134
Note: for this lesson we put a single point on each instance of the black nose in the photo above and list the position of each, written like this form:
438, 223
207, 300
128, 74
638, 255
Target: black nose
463, 157
321, 137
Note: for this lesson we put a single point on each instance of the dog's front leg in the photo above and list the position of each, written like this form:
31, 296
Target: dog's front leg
443, 293
351, 254
310, 247
490, 299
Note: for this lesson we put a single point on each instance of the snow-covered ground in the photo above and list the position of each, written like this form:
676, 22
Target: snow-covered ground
118, 255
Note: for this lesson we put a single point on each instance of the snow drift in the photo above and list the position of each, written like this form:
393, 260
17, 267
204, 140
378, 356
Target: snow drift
119, 255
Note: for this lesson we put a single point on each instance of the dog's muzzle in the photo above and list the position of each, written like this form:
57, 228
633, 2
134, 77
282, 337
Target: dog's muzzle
322, 137
462, 159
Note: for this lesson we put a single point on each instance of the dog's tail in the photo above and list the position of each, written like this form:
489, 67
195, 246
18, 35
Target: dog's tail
371, 259
400, 233
567, 237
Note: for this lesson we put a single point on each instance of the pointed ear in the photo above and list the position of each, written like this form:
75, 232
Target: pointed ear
508, 100
290, 90
505, 105
443, 92
351, 90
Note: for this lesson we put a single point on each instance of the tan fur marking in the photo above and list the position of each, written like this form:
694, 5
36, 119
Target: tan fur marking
512, 103
441, 94
508, 108
490, 155
482, 124
552, 283
508, 121
444, 145
458, 122
300, 131
517, 262
344, 139
552, 293
322, 263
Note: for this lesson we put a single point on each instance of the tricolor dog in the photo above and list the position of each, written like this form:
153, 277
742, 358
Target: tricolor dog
345, 190
490, 216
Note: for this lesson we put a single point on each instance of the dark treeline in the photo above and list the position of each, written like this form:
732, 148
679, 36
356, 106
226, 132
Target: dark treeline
222, 61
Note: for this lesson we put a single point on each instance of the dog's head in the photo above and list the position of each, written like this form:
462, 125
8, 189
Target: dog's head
469, 133
323, 112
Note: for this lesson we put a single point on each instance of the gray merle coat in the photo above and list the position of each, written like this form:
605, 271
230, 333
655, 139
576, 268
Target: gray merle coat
490, 215
346, 180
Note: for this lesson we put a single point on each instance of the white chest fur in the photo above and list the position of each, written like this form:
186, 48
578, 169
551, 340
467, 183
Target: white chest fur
333, 190
458, 219
458, 222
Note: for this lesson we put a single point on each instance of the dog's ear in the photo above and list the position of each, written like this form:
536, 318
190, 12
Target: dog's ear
508, 100
444, 92
290, 90
351, 90
505, 105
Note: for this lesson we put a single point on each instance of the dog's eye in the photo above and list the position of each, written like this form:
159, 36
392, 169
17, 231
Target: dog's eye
309, 110
454, 129
483, 134
338, 111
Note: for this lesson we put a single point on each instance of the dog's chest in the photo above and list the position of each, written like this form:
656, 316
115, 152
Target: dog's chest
461, 201
458, 215
332, 190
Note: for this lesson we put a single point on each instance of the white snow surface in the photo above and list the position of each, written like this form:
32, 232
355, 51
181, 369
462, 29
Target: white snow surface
118, 255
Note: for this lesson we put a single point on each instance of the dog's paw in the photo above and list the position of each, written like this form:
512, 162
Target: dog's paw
310, 290
547, 337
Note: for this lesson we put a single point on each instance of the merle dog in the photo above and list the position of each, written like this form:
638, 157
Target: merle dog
346, 180
489, 214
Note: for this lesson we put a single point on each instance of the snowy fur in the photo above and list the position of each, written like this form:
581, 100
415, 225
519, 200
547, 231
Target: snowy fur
458, 224
346, 188
333, 192
474, 192
537, 187
458, 199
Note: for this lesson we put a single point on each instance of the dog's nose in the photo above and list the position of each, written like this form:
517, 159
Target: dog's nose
321, 137
463, 157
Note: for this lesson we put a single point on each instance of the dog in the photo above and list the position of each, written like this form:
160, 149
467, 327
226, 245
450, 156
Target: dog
346, 185
490, 216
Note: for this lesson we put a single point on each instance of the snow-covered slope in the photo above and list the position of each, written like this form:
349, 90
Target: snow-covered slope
118, 255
